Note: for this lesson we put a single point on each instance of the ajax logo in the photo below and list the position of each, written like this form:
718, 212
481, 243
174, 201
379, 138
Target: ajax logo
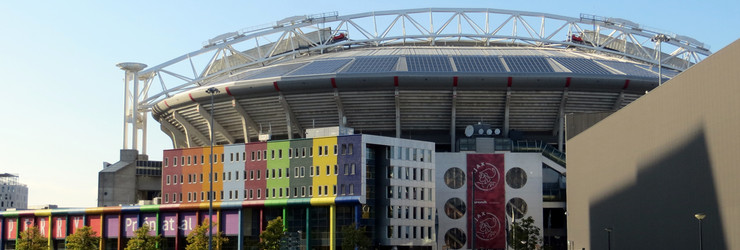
487, 176
488, 226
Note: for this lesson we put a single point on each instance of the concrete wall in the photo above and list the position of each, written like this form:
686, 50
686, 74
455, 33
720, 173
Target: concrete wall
647, 169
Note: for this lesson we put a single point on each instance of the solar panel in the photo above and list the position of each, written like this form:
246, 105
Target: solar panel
320, 67
628, 68
275, 71
428, 64
582, 65
528, 64
370, 64
478, 64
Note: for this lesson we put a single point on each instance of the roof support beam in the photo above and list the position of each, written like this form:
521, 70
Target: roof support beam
619, 101
190, 131
559, 121
506, 112
453, 116
178, 138
398, 112
290, 117
246, 119
338, 100
217, 128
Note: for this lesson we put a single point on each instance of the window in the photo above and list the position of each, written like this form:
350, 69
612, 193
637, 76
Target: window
390, 192
231, 157
303, 154
341, 188
295, 192
407, 193
335, 149
166, 197
182, 160
310, 152
421, 174
390, 172
182, 179
327, 170
168, 180
336, 169
317, 170
202, 158
413, 209
346, 169
280, 172
408, 173
180, 197
352, 169
303, 171
222, 160
174, 180
236, 175
303, 191
349, 149
421, 215
252, 159
215, 177
224, 178
414, 192
290, 152
400, 193
174, 161
259, 193
399, 231
251, 194
280, 153
251, 174
400, 172
408, 153
390, 232
390, 212
320, 150
310, 191
166, 161
244, 157
272, 154
400, 211
344, 149
421, 197
296, 172
351, 188
280, 192
258, 175
195, 160
335, 190
311, 171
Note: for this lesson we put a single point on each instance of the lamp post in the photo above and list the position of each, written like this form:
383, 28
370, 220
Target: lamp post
659, 39
212, 91
608, 237
700, 217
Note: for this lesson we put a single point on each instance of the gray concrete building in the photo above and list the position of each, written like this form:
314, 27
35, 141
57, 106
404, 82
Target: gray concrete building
637, 179
132, 179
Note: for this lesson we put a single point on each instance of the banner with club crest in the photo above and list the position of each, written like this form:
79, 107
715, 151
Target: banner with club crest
486, 201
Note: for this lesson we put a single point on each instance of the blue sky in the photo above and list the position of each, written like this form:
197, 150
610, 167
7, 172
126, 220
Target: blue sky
63, 95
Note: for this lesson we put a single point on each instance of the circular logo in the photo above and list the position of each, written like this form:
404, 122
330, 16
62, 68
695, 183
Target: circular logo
487, 176
487, 226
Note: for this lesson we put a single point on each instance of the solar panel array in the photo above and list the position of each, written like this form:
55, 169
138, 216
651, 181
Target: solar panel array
370, 64
628, 68
428, 64
320, 67
528, 64
478, 64
581, 65
275, 71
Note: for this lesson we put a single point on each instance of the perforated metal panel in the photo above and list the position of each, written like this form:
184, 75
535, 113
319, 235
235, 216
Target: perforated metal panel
628, 68
528, 64
428, 64
320, 67
275, 71
478, 64
581, 65
372, 65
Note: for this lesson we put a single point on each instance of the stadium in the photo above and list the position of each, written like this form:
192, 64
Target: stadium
467, 106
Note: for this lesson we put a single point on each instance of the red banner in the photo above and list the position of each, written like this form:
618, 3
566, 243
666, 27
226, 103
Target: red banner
486, 201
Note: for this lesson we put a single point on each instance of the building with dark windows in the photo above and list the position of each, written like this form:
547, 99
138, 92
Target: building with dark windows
434, 128
13, 194
132, 180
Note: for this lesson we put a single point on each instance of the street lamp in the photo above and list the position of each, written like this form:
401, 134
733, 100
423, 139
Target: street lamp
608, 237
212, 91
700, 217
659, 39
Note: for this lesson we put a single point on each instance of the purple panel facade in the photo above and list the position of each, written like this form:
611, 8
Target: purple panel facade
231, 222
150, 219
130, 224
169, 224
112, 226
350, 153
188, 222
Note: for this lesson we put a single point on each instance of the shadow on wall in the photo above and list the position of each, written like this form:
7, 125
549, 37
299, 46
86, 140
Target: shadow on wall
657, 212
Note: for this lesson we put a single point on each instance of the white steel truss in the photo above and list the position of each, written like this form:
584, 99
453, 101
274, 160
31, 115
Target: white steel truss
229, 54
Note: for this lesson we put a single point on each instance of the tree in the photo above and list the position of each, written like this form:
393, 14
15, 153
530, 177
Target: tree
354, 236
198, 238
31, 239
83, 239
273, 235
526, 233
142, 240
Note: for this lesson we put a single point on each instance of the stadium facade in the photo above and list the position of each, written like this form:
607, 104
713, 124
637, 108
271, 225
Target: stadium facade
457, 118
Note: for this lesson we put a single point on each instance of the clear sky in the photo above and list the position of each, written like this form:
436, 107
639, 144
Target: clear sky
63, 94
